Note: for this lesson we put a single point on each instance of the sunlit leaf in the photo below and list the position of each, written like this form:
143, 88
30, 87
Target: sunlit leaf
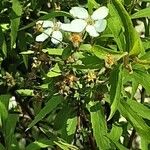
141, 13
25, 92
54, 72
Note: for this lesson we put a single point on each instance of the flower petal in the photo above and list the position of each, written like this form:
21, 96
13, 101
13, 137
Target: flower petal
79, 12
43, 36
100, 25
100, 13
77, 25
46, 23
91, 30
56, 37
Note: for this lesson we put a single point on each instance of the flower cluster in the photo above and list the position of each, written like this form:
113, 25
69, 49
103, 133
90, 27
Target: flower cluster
93, 24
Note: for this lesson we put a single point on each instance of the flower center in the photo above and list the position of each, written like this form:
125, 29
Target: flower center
90, 21
56, 26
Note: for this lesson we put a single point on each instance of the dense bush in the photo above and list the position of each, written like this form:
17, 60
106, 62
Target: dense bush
74, 74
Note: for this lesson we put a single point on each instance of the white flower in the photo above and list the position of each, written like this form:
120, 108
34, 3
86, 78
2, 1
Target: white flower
12, 103
50, 29
93, 24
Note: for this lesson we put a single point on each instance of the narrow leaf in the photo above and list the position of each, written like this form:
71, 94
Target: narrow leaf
98, 125
141, 13
116, 88
15, 20
49, 106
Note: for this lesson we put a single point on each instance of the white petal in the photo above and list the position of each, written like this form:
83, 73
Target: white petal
56, 37
92, 31
100, 13
45, 24
42, 37
100, 25
79, 12
77, 25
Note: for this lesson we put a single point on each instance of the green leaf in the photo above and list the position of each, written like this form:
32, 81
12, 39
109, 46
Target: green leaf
25, 92
49, 106
65, 146
85, 47
53, 51
37, 145
118, 145
62, 116
3, 42
3, 114
115, 133
5, 99
92, 4
98, 125
116, 88
54, 72
133, 42
141, 13
138, 123
9, 131
103, 53
139, 108
143, 78
71, 125
117, 31
15, 20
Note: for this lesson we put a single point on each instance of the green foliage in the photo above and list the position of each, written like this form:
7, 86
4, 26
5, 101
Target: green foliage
63, 88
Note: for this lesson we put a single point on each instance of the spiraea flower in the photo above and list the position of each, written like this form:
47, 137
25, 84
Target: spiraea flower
49, 29
93, 24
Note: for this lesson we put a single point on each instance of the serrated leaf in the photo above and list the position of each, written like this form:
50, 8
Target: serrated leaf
141, 13
98, 125
49, 106
15, 20
26, 92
